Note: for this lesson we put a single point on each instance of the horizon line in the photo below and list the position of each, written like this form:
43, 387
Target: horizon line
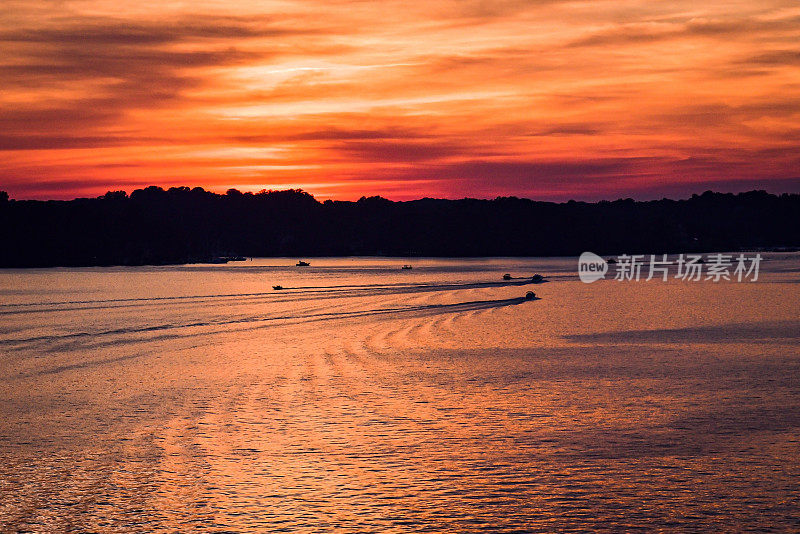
234, 191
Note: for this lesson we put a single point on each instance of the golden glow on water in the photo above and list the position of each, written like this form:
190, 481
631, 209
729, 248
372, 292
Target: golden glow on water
365, 398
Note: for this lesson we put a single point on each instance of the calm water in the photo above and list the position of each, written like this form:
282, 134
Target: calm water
366, 398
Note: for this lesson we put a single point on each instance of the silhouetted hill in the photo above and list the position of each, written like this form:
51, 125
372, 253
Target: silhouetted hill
180, 225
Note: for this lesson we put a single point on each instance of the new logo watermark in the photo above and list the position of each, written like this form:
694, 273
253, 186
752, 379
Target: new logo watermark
687, 267
591, 267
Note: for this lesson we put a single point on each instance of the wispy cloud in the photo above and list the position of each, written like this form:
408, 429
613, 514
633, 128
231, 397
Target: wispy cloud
547, 98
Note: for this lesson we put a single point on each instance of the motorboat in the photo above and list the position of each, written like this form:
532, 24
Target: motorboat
406, 267
277, 288
530, 295
302, 263
537, 278
506, 276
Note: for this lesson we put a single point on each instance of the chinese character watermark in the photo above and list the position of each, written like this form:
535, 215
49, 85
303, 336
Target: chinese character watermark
685, 267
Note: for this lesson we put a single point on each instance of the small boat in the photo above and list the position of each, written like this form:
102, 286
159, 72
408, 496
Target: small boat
506, 276
406, 267
302, 263
277, 288
537, 279
530, 295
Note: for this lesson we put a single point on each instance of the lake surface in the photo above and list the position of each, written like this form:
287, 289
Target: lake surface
367, 398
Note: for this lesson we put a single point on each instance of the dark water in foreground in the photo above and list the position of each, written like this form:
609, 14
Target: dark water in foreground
365, 398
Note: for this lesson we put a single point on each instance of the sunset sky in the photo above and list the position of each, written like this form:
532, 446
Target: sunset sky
547, 99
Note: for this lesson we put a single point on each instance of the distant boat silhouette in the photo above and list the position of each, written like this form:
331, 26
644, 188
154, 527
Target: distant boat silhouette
530, 295
302, 263
406, 267
506, 276
537, 278
277, 288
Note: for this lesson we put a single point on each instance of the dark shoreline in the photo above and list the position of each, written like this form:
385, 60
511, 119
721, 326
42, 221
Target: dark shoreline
179, 226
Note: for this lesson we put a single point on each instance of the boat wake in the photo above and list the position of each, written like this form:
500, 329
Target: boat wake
206, 327
286, 294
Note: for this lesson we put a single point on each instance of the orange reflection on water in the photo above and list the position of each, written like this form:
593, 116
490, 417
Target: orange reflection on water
366, 398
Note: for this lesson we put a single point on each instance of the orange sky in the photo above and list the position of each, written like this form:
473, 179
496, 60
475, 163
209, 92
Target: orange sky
547, 99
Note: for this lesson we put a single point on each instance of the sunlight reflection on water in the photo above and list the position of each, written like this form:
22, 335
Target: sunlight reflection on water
368, 398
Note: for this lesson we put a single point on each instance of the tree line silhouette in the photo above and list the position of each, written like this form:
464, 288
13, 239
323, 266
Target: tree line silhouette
185, 225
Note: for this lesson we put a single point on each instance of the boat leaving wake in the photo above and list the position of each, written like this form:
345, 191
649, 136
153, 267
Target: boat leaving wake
271, 320
296, 293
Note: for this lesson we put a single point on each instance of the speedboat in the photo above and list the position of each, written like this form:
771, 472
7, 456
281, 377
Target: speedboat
277, 288
506, 276
302, 263
406, 267
537, 278
530, 295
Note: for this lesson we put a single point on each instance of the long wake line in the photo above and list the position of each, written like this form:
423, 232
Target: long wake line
440, 308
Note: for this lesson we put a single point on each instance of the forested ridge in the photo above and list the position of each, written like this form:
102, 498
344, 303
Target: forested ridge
184, 225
